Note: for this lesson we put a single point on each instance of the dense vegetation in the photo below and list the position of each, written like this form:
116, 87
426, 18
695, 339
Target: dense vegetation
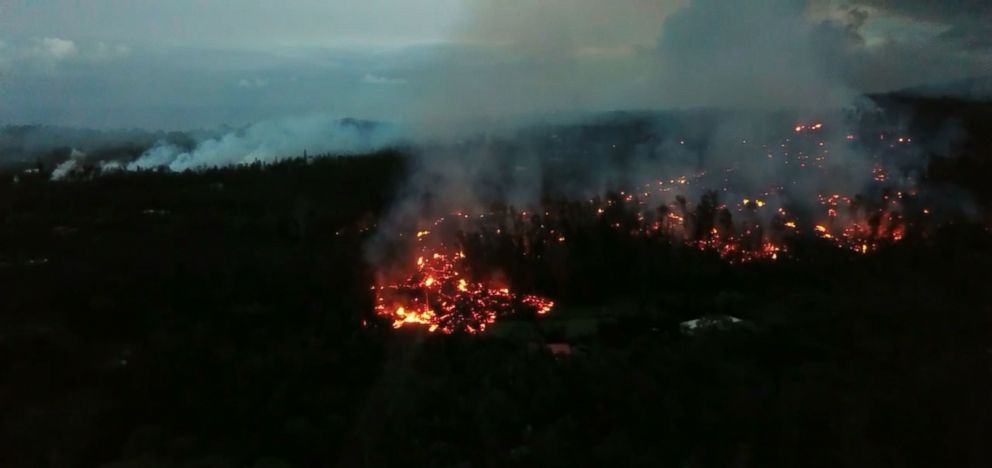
215, 319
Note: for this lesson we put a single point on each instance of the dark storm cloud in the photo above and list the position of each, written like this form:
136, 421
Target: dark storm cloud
968, 23
943, 11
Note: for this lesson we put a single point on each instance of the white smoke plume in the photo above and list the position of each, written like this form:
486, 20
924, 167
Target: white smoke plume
270, 140
76, 158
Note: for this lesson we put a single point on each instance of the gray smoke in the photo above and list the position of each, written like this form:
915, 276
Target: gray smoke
758, 68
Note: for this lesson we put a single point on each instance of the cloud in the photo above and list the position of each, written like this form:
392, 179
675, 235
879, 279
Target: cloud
944, 11
104, 51
369, 78
765, 54
893, 64
55, 49
4, 57
496, 59
546, 27
965, 23
51, 51
260, 24
252, 83
579, 56
584, 55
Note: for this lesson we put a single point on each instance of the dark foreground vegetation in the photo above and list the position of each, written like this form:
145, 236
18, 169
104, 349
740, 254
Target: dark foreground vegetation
216, 319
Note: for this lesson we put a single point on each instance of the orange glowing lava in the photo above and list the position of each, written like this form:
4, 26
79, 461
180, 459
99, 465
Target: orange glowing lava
439, 295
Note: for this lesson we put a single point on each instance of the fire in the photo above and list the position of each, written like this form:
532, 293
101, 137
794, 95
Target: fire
438, 291
540, 304
879, 174
438, 294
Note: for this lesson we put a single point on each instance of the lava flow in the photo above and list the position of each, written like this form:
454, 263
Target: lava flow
738, 221
440, 295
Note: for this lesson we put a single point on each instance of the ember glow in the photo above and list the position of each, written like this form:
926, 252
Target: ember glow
439, 287
439, 294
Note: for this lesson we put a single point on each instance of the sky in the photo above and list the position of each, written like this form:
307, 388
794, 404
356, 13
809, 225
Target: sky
184, 64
